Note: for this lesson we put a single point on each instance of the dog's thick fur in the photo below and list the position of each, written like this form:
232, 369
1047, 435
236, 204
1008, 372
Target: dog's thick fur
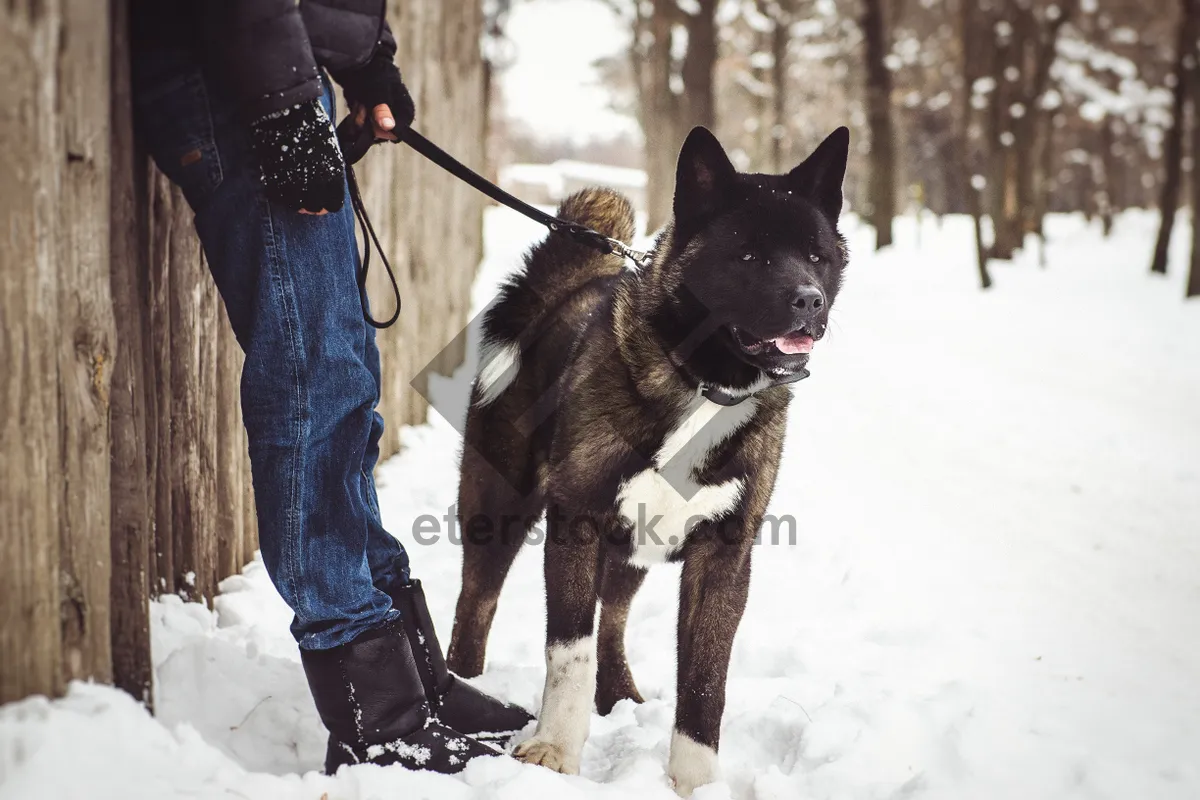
589, 409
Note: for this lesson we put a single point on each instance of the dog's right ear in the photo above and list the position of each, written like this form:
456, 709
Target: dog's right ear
703, 177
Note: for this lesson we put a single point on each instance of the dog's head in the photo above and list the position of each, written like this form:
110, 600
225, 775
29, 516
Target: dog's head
754, 261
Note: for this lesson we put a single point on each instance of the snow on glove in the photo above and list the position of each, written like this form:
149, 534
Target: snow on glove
302, 167
377, 82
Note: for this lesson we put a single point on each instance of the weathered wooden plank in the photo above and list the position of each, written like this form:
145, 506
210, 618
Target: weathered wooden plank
144, 436
85, 338
191, 505
30, 480
230, 511
209, 397
430, 224
162, 219
250, 530
131, 508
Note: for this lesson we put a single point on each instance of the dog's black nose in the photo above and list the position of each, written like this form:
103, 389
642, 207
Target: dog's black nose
809, 298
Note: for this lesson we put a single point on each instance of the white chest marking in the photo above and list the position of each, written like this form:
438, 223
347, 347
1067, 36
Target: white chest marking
664, 502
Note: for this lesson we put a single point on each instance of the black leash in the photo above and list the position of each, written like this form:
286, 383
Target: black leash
580, 233
356, 140
369, 238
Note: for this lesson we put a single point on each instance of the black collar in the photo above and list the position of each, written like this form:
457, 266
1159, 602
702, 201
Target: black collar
724, 397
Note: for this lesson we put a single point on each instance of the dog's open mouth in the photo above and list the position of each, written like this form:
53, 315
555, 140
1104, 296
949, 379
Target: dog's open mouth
790, 344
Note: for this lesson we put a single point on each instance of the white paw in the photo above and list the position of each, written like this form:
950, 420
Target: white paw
691, 764
547, 754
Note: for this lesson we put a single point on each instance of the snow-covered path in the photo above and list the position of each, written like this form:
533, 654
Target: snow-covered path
994, 590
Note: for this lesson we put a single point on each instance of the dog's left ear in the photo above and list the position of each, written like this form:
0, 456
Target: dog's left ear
820, 176
703, 177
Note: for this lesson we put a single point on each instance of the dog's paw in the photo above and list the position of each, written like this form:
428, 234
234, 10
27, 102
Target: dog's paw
548, 755
691, 764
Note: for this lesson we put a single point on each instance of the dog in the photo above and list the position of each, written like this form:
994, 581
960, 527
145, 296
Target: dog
642, 412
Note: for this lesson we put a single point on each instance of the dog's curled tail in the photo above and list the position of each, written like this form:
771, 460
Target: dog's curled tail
603, 210
559, 265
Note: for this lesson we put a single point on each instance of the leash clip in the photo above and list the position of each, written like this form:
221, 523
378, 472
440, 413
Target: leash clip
640, 258
596, 240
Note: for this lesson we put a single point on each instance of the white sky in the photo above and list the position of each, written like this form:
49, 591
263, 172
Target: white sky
552, 86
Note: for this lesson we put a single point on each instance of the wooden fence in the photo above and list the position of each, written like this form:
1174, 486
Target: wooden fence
124, 471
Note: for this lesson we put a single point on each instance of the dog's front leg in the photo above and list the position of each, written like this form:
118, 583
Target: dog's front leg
571, 562
712, 597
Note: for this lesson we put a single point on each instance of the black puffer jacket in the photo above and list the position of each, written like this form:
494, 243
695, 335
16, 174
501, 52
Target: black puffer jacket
272, 48
268, 52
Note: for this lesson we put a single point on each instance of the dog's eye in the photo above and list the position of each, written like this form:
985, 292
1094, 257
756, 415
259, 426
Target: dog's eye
814, 258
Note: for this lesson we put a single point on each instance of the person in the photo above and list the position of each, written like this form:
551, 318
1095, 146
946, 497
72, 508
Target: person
233, 101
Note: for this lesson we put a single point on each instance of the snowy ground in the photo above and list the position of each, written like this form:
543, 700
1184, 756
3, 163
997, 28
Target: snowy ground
994, 591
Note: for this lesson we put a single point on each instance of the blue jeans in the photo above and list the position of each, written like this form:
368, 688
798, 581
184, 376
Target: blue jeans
311, 379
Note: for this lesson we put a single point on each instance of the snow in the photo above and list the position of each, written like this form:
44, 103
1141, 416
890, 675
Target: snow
992, 592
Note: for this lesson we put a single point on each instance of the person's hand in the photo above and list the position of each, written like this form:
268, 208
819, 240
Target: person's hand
378, 87
302, 166
381, 119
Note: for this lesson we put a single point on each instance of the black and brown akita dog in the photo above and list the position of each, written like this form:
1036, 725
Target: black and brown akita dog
642, 411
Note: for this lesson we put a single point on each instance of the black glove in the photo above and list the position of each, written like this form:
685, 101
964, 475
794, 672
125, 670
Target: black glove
378, 81
302, 167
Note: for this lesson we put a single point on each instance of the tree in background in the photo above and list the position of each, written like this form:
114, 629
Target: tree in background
1184, 75
497, 55
788, 73
1015, 45
1006, 110
969, 134
877, 56
1192, 26
781, 14
671, 58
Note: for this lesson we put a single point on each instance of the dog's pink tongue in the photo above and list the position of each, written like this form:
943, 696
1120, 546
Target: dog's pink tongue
795, 343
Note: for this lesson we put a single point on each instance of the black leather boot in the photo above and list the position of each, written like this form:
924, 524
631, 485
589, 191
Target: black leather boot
455, 702
371, 698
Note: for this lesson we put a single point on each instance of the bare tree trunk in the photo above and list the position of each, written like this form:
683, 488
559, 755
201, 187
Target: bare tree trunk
1036, 126
968, 14
762, 105
699, 103
495, 17
1047, 182
657, 111
1193, 284
1168, 202
672, 98
780, 36
879, 120
1102, 169
1002, 166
